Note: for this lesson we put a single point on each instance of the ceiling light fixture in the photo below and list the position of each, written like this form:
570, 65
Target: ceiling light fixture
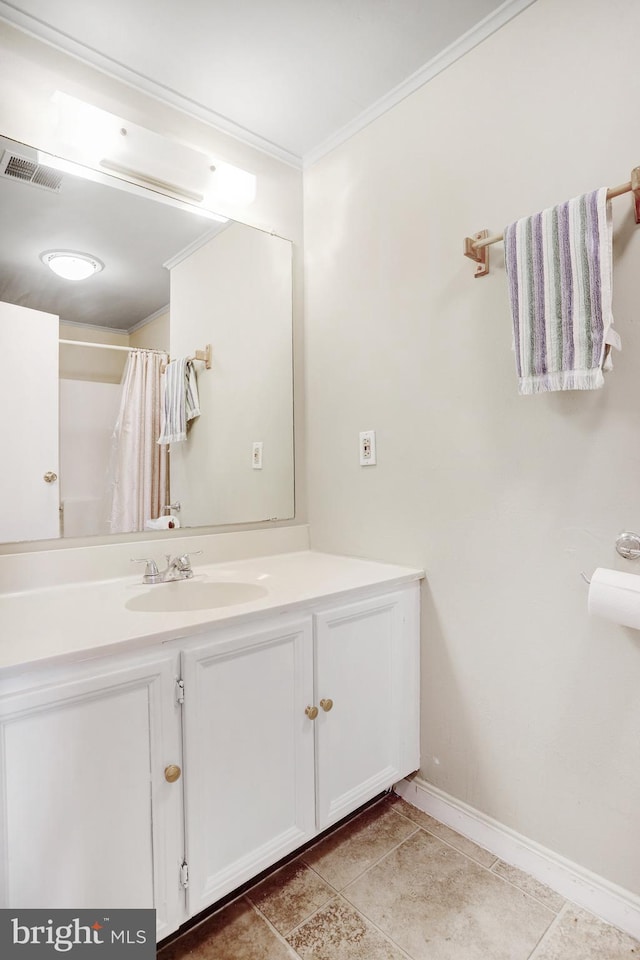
71, 265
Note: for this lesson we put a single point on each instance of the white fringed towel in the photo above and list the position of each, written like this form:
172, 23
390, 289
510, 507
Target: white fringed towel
559, 269
180, 400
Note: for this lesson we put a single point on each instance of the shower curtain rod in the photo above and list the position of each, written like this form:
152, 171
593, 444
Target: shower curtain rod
204, 355
475, 247
102, 346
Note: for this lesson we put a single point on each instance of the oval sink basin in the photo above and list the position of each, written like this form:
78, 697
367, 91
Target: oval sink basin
194, 595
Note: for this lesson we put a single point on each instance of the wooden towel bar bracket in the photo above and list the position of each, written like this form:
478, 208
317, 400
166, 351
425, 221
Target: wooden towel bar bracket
204, 355
479, 254
635, 188
477, 246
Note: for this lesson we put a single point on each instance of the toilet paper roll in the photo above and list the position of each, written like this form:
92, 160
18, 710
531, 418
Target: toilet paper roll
615, 596
162, 523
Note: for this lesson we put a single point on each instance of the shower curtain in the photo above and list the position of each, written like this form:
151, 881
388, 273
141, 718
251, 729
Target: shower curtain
139, 463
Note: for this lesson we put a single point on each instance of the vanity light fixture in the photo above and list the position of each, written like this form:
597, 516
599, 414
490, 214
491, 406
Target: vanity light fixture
101, 140
71, 265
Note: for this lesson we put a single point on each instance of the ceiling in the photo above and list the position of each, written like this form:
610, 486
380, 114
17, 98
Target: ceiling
292, 77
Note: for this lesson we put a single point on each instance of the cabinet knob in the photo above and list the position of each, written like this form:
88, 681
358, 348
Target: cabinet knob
172, 773
50, 477
311, 712
326, 705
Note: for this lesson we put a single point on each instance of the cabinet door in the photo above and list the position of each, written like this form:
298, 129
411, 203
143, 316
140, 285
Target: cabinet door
248, 749
87, 815
367, 663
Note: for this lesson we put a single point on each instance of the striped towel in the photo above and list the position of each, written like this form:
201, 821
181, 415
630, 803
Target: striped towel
559, 269
180, 400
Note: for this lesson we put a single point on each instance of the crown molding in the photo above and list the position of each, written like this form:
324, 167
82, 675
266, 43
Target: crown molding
113, 68
492, 22
194, 245
43, 31
146, 320
121, 331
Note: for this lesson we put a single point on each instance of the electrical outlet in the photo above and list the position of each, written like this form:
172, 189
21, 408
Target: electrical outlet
367, 448
256, 455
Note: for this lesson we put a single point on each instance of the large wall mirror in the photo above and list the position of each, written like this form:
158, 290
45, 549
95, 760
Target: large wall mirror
170, 282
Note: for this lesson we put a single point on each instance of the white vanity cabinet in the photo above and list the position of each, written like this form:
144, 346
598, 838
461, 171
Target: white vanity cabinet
88, 818
276, 726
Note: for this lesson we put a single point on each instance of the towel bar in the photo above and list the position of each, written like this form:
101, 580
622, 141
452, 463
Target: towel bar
477, 246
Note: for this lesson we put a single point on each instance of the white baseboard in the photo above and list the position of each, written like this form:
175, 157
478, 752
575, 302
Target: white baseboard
614, 904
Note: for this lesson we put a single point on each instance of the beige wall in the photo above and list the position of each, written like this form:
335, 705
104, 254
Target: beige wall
530, 709
89, 363
154, 335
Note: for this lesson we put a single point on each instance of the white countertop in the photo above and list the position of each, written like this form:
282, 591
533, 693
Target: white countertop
80, 621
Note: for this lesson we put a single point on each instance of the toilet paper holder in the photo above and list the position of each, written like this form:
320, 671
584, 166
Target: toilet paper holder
627, 545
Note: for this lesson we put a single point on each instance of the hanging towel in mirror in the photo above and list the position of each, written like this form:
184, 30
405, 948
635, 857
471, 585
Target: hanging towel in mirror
559, 270
180, 400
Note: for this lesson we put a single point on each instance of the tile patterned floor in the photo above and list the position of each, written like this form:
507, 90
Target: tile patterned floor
394, 884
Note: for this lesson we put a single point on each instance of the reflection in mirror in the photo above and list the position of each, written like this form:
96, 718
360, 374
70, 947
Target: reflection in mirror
173, 282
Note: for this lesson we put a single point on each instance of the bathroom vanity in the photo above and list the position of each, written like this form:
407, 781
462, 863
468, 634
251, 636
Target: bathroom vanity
162, 745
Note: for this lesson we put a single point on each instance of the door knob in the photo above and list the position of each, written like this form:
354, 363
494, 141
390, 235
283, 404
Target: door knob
172, 773
311, 712
50, 477
326, 705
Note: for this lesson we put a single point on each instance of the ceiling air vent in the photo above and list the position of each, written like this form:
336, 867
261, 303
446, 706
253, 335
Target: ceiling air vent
16, 167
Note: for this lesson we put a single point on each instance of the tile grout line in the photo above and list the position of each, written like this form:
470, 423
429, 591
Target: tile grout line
341, 894
334, 830
274, 930
489, 869
553, 915
338, 897
332, 895
554, 923
526, 892
312, 915
296, 860
448, 842
320, 877
370, 866
376, 927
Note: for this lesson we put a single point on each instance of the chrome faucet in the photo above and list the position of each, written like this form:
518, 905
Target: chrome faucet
177, 569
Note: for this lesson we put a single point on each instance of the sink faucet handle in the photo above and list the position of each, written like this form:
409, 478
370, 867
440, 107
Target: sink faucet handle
152, 566
185, 559
151, 572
